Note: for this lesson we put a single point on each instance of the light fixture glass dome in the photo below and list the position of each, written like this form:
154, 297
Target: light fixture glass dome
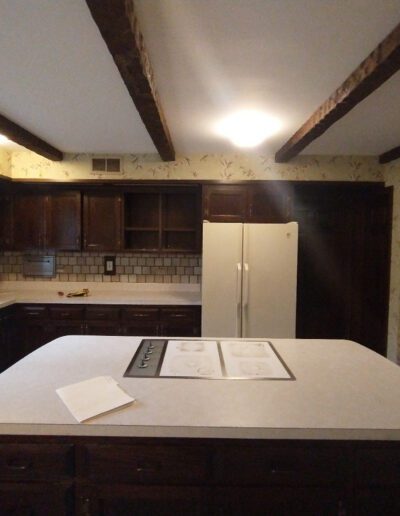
248, 128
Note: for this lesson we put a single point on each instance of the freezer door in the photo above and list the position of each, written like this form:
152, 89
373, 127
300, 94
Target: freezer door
221, 287
269, 280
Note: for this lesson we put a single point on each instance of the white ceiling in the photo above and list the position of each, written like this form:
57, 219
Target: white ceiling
210, 57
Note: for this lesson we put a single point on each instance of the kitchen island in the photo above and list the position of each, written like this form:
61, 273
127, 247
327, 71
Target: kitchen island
324, 443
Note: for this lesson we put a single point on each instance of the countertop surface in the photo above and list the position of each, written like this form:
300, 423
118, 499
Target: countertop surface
100, 293
342, 390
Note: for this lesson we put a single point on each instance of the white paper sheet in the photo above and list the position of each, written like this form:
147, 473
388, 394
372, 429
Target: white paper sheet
93, 397
249, 359
192, 358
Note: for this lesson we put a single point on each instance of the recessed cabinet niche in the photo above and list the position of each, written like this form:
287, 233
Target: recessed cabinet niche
47, 221
162, 220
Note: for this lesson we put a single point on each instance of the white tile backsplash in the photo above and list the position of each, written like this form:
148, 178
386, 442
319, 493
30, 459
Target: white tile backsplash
131, 268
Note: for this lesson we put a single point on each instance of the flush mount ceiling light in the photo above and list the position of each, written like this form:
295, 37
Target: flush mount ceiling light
248, 128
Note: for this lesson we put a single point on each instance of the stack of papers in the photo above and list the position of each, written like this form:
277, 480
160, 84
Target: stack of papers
92, 397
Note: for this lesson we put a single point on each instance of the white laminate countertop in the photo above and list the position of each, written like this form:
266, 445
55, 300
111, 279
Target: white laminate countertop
99, 293
342, 391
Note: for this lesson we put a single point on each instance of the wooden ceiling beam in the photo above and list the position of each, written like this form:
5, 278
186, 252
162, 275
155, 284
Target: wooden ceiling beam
390, 155
18, 134
119, 28
377, 68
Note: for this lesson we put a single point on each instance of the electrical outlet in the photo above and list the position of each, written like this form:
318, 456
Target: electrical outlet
109, 265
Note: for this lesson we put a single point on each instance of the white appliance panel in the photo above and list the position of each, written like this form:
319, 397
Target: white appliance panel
269, 280
221, 280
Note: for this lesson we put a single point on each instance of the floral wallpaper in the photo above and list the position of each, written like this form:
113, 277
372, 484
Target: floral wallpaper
234, 167
27, 165
5, 163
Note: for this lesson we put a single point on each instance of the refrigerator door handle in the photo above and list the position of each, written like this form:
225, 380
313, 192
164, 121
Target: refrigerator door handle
245, 299
238, 297
246, 285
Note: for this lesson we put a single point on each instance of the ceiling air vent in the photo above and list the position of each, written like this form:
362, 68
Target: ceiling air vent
106, 165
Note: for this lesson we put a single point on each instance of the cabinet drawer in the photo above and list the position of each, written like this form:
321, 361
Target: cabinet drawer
178, 315
102, 313
66, 312
33, 311
140, 314
145, 464
378, 466
36, 461
280, 465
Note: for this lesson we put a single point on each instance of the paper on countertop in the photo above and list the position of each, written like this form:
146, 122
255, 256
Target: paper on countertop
93, 397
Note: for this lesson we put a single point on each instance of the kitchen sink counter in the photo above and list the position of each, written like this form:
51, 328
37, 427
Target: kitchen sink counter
341, 390
100, 293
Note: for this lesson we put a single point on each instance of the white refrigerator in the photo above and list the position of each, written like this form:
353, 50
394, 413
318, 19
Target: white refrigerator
249, 280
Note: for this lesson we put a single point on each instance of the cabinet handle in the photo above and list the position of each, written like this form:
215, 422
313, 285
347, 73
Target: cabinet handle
33, 314
178, 315
18, 464
140, 315
92, 245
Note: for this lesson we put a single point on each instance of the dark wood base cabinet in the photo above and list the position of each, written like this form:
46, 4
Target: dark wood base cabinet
137, 476
26, 327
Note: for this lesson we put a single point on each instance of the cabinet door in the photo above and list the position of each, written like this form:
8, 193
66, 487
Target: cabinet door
35, 499
124, 499
63, 221
8, 340
29, 211
32, 331
324, 264
269, 202
282, 501
378, 500
102, 215
102, 328
6, 226
58, 329
225, 203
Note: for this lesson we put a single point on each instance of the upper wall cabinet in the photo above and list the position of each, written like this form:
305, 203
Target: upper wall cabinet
261, 202
63, 221
102, 218
162, 220
6, 218
47, 221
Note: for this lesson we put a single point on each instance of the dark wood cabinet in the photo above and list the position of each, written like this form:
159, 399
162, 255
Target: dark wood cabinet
102, 219
343, 255
63, 221
168, 476
7, 337
343, 262
41, 323
35, 478
36, 499
6, 217
162, 220
180, 321
47, 221
140, 321
225, 203
125, 499
29, 214
262, 202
